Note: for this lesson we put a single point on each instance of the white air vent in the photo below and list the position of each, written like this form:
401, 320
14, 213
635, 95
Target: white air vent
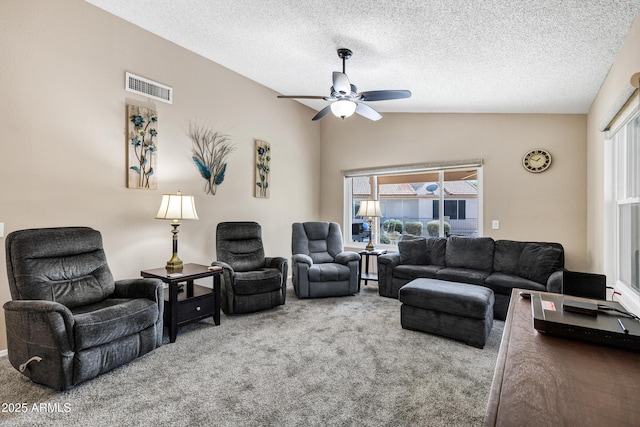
146, 87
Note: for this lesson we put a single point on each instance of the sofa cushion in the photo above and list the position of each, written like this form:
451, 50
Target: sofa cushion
463, 275
257, 281
506, 256
413, 251
411, 272
329, 272
437, 247
473, 253
503, 283
537, 262
112, 319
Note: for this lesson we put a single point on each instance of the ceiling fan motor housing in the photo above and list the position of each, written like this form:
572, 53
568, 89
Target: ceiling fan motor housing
338, 95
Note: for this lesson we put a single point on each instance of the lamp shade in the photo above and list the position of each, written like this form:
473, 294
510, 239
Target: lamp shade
177, 206
343, 108
370, 208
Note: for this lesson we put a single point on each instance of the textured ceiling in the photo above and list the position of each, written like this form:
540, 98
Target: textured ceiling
504, 56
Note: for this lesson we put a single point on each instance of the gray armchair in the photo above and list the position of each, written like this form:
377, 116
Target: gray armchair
69, 321
250, 281
320, 267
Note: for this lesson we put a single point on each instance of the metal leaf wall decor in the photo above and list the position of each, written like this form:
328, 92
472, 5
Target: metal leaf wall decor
210, 151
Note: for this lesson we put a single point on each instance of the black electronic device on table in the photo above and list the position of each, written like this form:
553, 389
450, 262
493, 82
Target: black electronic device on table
597, 321
585, 285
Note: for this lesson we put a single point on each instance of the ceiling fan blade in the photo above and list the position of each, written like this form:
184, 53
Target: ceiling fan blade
368, 112
341, 83
326, 110
302, 96
383, 95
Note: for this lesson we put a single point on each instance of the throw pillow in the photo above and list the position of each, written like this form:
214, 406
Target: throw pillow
537, 262
413, 251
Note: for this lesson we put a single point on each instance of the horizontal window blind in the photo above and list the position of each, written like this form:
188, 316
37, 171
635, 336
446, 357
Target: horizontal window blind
625, 106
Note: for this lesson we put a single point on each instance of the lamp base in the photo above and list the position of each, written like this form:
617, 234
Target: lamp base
174, 264
370, 247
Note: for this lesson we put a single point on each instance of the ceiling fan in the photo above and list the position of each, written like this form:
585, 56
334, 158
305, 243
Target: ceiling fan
345, 99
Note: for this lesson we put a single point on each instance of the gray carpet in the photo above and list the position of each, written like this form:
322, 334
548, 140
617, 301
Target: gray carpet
322, 362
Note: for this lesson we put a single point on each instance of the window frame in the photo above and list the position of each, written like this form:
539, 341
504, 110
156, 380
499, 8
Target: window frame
617, 197
385, 171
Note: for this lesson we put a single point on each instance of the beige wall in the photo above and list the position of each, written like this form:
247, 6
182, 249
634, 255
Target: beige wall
627, 63
549, 206
62, 138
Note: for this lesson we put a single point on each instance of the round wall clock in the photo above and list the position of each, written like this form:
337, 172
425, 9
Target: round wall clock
537, 160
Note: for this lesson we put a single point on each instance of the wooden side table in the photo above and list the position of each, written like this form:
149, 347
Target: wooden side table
364, 257
197, 303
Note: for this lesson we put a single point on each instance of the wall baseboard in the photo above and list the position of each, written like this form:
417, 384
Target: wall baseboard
3, 353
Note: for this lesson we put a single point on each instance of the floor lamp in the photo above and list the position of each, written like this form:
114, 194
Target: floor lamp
369, 209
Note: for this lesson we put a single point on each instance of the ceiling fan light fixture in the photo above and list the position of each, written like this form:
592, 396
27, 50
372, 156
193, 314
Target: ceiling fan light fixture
343, 108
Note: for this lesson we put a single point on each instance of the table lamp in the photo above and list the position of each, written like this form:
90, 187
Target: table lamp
176, 207
370, 209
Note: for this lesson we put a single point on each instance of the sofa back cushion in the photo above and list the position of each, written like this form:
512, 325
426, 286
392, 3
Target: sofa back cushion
413, 251
322, 241
470, 252
65, 264
437, 247
239, 244
506, 256
537, 261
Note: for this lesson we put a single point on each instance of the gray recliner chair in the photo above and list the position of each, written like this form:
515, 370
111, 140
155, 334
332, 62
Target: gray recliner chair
250, 281
320, 266
69, 321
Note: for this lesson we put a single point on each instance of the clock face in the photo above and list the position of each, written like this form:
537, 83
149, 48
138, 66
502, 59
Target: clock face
537, 160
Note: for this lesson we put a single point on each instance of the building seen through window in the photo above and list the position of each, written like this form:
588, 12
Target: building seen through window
412, 204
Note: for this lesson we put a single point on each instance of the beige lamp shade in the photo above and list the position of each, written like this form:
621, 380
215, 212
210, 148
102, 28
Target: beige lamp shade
177, 206
369, 208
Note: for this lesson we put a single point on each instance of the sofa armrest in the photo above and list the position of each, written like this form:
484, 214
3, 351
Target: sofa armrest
152, 289
346, 257
554, 282
276, 262
386, 264
40, 341
226, 268
302, 258
281, 264
389, 260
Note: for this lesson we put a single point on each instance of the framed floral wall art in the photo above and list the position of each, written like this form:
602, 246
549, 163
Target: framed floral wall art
142, 143
263, 169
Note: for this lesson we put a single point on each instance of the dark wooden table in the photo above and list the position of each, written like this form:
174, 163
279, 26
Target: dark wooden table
364, 258
546, 380
192, 304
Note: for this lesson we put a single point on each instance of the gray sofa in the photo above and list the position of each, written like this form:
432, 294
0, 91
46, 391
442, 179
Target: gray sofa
500, 265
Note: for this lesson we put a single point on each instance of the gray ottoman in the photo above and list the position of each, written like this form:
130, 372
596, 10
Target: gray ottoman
455, 310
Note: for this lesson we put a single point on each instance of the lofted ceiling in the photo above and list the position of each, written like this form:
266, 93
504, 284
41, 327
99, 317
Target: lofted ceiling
488, 56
